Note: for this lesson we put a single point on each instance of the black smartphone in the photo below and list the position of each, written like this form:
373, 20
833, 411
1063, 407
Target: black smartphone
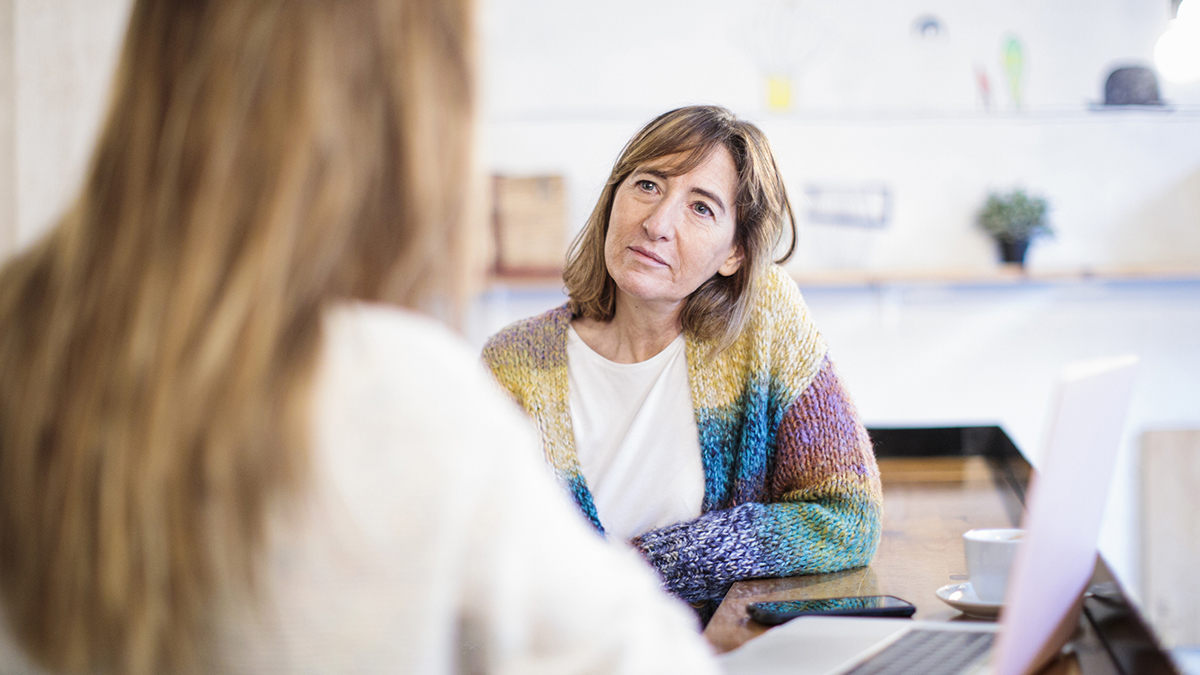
773, 613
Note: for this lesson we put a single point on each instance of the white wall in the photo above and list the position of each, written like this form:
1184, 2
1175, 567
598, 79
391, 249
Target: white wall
581, 59
8, 132
1124, 187
566, 84
56, 63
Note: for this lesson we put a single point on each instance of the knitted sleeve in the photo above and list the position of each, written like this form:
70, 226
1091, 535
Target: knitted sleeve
822, 514
797, 491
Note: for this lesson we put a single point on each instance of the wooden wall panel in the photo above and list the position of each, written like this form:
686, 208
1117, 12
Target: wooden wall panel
1171, 535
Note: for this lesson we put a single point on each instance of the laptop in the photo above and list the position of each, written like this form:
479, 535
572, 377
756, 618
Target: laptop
1053, 565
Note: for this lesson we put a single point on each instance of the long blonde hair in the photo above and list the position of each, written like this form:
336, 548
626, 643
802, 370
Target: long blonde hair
259, 160
718, 309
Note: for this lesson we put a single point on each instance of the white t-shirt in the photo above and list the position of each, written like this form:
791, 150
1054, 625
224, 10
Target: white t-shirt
432, 539
636, 437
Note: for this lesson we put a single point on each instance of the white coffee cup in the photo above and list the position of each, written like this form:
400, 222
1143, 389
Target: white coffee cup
990, 555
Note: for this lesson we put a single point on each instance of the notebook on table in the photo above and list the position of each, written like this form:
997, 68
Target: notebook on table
1053, 565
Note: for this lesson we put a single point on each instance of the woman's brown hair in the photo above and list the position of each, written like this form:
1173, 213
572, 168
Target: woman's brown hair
259, 161
718, 309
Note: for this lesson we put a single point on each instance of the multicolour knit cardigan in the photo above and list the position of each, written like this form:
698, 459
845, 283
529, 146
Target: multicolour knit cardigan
791, 484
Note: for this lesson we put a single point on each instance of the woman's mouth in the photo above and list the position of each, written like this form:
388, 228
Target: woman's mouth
648, 255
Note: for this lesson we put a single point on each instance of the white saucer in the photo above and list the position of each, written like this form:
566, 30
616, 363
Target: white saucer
962, 597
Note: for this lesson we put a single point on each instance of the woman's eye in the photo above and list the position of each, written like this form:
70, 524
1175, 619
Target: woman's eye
647, 185
703, 209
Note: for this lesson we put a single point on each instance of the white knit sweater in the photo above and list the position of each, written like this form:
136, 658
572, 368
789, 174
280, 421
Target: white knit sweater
433, 539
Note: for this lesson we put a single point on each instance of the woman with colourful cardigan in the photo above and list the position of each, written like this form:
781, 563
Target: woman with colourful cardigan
684, 397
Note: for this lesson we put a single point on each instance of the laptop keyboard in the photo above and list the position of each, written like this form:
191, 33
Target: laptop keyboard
928, 652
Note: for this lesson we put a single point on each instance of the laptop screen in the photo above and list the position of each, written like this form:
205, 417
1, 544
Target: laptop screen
1064, 510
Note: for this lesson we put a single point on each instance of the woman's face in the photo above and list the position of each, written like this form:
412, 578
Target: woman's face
669, 234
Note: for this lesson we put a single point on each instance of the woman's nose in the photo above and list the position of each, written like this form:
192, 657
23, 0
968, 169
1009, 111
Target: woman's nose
660, 224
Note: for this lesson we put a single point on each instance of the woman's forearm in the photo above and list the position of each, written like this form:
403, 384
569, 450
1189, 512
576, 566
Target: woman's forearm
699, 559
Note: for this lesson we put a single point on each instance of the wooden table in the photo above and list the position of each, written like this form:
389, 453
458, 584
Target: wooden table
929, 501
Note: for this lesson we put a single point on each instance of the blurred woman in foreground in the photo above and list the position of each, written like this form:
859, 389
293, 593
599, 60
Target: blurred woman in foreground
215, 454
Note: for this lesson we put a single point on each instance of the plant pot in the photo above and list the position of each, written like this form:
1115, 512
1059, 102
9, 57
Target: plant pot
1013, 251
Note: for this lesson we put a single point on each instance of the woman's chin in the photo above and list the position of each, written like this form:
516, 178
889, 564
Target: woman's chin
650, 294
649, 285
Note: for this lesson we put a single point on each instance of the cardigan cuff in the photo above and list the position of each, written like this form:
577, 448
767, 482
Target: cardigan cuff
700, 559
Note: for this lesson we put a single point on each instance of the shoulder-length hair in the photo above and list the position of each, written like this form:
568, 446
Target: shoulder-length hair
259, 161
718, 309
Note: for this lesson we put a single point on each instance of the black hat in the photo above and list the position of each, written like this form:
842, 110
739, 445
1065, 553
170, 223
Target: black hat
1131, 85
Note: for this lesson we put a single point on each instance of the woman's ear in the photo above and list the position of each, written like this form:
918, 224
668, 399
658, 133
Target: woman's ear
733, 263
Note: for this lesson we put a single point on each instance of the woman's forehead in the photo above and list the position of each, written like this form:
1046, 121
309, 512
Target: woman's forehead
680, 162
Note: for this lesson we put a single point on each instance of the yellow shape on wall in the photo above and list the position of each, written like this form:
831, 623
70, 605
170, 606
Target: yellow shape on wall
779, 93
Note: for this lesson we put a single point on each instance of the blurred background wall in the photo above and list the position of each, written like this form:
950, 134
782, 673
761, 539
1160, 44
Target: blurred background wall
56, 61
932, 104
873, 93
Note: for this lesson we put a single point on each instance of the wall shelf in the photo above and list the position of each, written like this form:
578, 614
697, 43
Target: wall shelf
1001, 275
1094, 113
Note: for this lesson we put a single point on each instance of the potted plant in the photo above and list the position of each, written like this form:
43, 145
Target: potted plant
1014, 219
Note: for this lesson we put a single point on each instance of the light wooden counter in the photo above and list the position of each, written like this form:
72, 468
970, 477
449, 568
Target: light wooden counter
928, 504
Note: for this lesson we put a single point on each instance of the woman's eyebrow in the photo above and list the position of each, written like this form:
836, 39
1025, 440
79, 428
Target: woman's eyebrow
657, 173
710, 195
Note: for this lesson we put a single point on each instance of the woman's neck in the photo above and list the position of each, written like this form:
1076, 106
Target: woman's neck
638, 331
